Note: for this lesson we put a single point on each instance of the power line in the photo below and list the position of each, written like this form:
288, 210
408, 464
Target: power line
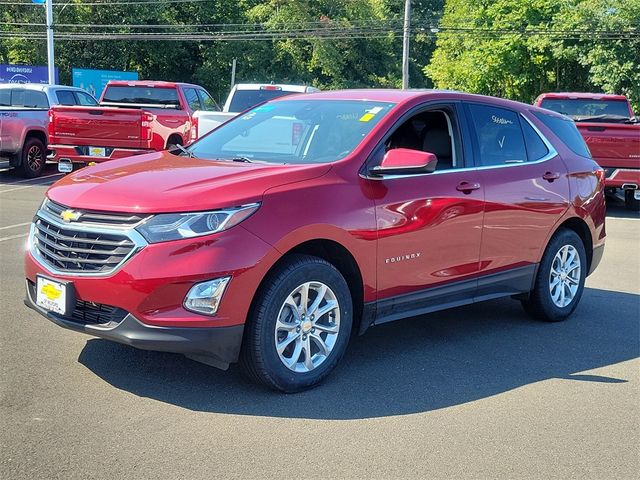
109, 3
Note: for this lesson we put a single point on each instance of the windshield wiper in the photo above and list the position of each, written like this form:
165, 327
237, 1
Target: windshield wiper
189, 153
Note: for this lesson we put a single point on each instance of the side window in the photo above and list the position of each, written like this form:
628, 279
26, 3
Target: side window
66, 97
34, 99
208, 103
432, 131
85, 99
566, 130
17, 98
192, 98
536, 149
499, 135
5, 97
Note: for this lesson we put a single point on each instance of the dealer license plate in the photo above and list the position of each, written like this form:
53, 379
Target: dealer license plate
51, 295
97, 152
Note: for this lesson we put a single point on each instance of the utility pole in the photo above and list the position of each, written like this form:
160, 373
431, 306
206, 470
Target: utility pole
50, 56
405, 44
233, 72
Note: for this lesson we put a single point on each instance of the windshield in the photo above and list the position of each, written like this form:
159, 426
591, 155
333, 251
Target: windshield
580, 109
294, 131
167, 97
245, 99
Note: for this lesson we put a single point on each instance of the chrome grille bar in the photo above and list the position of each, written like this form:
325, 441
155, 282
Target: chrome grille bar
83, 248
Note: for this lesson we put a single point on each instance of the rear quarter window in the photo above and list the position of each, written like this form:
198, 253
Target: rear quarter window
565, 129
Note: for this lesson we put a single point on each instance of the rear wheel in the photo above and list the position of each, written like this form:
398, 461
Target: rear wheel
33, 157
173, 141
299, 326
560, 278
630, 201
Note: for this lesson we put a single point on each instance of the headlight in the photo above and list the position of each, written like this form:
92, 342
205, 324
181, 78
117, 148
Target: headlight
175, 226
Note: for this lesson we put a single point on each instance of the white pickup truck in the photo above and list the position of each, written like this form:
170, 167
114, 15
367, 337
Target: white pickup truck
242, 97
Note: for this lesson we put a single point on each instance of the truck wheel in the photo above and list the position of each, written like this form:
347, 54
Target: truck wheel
173, 141
33, 157
560, 279
299, 325
630, 202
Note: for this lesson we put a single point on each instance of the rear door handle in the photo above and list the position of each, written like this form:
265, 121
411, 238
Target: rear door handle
467, 187
551, 176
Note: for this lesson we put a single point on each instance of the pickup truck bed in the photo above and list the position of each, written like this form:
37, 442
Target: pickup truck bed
23, 138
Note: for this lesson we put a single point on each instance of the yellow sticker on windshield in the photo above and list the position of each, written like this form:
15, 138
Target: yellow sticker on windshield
372, 112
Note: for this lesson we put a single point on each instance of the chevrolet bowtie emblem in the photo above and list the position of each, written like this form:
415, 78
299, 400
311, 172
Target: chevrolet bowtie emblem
70, 216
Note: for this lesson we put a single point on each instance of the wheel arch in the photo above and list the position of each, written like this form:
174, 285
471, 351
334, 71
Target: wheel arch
580, 227
337, 255
40, 135
173, 139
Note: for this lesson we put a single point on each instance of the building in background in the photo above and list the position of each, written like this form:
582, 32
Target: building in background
94, 81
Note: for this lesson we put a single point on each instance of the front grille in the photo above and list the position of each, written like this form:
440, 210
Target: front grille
95, 217
89, 312
76, 251
97, 313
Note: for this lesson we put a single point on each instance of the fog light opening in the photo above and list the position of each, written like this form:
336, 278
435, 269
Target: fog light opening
205, 297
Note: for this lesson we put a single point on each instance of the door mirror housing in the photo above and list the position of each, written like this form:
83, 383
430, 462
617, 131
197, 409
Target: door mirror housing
405, 161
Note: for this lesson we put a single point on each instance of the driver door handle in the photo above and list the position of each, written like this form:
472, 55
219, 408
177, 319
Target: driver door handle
467, 187
551, 176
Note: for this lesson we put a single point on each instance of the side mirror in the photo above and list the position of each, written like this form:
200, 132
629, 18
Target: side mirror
405, 161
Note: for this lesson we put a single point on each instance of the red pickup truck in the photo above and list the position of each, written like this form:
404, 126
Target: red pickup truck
133, 118
612, 132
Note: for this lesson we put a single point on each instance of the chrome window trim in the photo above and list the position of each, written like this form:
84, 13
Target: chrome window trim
138, 241
551, 154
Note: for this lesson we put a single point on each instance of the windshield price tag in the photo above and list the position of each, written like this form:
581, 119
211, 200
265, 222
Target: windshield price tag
371, 113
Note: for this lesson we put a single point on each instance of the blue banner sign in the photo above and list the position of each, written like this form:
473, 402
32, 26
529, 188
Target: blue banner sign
24, 74
94, 81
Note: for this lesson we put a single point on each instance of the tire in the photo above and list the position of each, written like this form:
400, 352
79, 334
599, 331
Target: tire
544, 305
273, 320
33, 158
172, 142
630, 202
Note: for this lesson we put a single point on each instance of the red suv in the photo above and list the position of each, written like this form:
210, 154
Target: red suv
275, 237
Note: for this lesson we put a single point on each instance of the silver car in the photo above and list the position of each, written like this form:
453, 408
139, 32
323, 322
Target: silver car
24, 118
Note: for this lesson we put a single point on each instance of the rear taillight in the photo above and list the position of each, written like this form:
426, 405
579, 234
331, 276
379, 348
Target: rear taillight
194, 129
50, 126
147, 126
600, 174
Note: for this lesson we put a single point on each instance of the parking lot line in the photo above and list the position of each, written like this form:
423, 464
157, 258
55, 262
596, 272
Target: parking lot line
13, 237
31, 179
15, 226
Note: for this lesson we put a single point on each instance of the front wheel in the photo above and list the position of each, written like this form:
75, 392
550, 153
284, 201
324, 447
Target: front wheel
560, 279
299, 326
630, 201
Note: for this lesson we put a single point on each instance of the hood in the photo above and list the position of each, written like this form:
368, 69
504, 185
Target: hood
162, 182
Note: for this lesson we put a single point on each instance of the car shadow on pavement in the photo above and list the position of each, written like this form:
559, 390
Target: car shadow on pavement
616, 208
410, 366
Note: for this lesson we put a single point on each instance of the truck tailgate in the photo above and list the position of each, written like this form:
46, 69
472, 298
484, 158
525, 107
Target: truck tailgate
611, 144
96, 126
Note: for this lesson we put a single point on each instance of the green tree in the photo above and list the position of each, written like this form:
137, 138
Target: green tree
520, 48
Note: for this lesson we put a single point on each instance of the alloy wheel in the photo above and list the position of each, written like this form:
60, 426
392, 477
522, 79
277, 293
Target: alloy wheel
34, 158
307, 327
564, 278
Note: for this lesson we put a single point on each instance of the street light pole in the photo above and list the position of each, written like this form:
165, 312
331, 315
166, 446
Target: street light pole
405, 44
50, 55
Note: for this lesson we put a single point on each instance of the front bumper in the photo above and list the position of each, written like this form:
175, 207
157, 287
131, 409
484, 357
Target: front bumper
217, 346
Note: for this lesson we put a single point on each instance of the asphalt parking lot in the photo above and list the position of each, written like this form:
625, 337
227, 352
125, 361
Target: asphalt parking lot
474, 392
